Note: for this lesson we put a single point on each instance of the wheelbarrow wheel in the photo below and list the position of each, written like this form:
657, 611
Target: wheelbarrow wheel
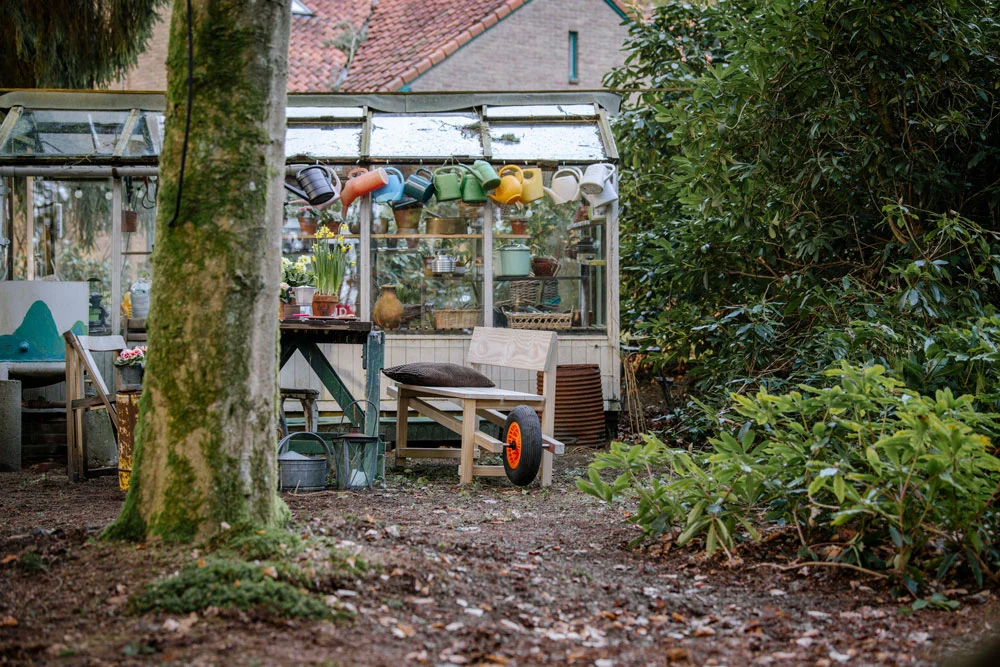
522, 437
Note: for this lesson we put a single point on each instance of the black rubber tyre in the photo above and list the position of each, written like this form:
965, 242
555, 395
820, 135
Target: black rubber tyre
523, 457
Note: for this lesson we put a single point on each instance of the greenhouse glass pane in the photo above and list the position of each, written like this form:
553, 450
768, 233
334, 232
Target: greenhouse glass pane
323, 141
58, 132
556, 141
147, 137
541, 111
438, 135
324, 112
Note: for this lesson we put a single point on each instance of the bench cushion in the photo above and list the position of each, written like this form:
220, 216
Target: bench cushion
430, 374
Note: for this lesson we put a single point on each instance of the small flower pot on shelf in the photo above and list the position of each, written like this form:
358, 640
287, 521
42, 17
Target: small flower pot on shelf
307, 226
130, 376
324, 305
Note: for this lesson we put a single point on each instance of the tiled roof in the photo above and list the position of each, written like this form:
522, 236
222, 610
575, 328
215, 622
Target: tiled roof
314, 64
404, 39
408, 37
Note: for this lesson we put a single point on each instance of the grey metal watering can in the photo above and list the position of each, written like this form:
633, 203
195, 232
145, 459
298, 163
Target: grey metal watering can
320, 185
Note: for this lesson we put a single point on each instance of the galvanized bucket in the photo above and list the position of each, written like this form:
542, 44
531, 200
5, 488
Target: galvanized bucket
298, 472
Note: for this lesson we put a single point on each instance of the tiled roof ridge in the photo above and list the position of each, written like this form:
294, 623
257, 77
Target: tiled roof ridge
477, 28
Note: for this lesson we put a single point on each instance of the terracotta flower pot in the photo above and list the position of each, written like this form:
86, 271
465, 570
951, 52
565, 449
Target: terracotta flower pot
308, 227
323, 305
518, 226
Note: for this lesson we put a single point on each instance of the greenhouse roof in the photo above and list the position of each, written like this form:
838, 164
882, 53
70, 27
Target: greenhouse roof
109, 128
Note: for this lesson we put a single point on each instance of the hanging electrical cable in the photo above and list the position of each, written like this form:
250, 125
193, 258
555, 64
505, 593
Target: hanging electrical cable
187, 121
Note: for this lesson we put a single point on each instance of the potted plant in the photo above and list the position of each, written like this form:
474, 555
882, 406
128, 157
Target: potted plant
330, 261
298, 275
308, 218
131, 365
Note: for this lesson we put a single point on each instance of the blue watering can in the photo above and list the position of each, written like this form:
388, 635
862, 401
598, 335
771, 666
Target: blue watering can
391, 191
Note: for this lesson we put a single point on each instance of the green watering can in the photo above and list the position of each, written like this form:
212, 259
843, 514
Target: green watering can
472, 188
448, 183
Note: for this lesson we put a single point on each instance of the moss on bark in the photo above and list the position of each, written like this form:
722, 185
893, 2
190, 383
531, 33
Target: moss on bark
205, 444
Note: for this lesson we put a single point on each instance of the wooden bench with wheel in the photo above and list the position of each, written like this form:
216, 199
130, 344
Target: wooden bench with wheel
527, 443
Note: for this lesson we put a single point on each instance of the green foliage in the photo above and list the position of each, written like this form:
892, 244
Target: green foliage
215, 582
260, 544
809, 182
33, 562
83, 45
868, 472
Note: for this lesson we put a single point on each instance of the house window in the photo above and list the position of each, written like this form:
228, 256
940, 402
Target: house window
574, 73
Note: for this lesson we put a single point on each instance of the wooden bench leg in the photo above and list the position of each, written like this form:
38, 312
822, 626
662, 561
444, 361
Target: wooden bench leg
469, 422
548, 428
310, 412
402, 417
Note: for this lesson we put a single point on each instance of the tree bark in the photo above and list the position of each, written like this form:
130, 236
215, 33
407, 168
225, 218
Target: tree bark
205, 448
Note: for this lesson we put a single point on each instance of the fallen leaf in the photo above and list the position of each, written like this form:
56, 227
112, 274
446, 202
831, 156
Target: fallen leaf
403, 631
9, 559
704, 632
8, 622
201, 562
677, 654
777, 592
269, 571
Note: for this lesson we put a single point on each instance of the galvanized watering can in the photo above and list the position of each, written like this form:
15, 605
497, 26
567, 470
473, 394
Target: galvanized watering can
320, 185
298, 472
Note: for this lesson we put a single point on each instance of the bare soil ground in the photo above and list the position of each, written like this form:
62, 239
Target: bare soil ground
486, 574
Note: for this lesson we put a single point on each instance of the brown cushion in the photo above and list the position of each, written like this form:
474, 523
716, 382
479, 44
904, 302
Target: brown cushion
430, 374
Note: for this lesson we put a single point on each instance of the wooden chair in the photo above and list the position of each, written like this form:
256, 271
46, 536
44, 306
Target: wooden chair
510, 348
79, 362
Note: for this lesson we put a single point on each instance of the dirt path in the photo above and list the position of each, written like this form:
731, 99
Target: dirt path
486, 574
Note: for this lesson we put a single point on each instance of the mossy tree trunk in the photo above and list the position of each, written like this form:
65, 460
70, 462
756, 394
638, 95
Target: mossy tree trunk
205, 451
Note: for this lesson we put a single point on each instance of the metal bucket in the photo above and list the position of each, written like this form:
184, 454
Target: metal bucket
298, 472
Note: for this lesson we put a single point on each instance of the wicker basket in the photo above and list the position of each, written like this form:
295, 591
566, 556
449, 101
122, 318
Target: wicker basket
524, 292
455, 319
546, 321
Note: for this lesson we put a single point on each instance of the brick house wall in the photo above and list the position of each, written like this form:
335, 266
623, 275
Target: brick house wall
529, 50
150, 71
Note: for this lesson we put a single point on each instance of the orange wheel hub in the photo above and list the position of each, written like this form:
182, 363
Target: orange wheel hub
513, 445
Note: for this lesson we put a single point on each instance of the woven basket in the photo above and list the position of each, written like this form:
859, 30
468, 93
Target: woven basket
524, 292
456, 319
546, 321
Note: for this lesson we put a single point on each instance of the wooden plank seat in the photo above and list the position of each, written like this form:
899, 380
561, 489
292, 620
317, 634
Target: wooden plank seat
510, 348
310, 407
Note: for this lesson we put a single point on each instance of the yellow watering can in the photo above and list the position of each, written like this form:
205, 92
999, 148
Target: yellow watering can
511, 185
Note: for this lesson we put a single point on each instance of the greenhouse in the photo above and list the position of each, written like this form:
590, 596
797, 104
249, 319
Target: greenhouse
79, 181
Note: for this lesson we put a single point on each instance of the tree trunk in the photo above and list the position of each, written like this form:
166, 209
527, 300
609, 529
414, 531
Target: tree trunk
205, 450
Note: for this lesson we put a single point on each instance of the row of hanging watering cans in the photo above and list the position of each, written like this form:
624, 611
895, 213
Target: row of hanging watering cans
321, 186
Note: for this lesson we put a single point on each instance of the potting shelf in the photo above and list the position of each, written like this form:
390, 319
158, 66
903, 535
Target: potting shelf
427, 236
